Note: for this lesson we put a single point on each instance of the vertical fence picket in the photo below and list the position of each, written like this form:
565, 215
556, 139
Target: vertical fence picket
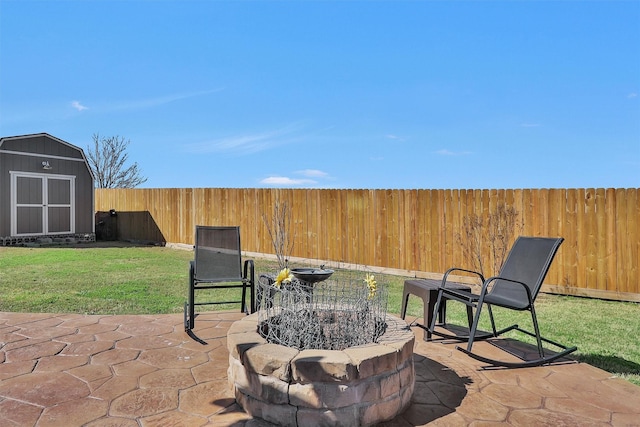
590, 249
570, 245
556, 214
435, 231
633, 237
610, 274
601, 240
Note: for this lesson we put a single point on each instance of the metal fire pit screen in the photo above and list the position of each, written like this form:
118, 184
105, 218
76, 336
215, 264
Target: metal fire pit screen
331, 315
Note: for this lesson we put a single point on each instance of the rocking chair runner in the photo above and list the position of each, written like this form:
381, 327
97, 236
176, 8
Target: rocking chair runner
515, 288
218, 265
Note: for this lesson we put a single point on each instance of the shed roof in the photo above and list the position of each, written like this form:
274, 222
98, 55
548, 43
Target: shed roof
6, 142
57, 148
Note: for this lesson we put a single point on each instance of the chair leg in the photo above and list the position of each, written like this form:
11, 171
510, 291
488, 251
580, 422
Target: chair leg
253, 297
476, 320
250, 277
190, 308
243, 302
186, 316
493, 322
537, 331
405, 301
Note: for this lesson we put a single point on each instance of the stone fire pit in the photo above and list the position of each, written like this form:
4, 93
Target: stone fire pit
360, 385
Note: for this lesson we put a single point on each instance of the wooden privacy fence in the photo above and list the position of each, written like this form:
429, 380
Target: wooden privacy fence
414, 230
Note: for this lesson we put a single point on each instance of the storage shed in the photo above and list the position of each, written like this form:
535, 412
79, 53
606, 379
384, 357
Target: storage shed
46, 190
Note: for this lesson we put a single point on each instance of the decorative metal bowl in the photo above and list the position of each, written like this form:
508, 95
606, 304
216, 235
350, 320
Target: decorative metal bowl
311, 275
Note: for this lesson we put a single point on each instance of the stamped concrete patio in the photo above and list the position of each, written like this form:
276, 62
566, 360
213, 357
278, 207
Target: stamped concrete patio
73, 370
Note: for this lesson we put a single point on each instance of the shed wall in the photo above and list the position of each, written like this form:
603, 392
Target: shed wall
26, 154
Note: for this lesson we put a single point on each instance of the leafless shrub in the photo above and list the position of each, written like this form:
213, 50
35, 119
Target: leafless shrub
471, 240
278, 227
496, 232
503, 227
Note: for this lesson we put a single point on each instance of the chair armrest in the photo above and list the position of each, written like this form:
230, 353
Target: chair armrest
249, 268
494, 278
451, 270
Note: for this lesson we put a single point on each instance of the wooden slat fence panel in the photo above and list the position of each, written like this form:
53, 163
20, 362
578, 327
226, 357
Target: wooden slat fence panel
590, 249
569, 253
601, 240
555, 214
414, 230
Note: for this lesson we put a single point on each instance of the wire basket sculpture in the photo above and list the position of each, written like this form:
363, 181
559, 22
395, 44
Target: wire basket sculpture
330, 315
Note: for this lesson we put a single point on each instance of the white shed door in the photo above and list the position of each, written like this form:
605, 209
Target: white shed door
42, 204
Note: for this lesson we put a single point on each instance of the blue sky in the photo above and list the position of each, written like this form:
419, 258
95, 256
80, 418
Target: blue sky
335, 94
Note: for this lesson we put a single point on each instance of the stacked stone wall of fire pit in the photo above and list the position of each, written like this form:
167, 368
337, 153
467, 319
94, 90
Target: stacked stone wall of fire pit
357, 386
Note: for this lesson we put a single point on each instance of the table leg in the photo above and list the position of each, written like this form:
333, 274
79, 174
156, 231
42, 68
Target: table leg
429, 306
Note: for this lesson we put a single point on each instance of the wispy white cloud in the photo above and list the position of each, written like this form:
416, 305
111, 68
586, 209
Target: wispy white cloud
243, 143
312, 173
394, 137
445, 152
246, 144
78, 106
530, 125
632, 95
286, 181
307, 179
144, 103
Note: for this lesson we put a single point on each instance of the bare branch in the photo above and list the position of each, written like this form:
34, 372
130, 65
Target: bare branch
278, 227
108, 162
497, 232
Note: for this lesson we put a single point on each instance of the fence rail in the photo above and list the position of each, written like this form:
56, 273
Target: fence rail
414, 230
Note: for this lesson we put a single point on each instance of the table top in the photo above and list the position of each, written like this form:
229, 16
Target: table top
435, 284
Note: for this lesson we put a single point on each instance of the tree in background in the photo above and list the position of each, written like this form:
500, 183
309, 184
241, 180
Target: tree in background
108, 162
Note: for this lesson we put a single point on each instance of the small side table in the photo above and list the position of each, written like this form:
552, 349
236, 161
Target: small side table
427, 289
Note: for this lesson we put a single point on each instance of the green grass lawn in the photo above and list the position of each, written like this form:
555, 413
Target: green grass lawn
147, 280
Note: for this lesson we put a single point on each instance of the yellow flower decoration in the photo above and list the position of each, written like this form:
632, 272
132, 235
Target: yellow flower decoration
372, 285
284, 276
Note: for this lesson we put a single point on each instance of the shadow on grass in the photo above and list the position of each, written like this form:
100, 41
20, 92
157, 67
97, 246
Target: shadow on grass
613, 364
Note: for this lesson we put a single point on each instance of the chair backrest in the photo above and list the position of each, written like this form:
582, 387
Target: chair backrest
217, 254
528, 262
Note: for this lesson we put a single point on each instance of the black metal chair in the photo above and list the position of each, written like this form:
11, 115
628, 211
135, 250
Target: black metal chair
218, 265
516, 288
